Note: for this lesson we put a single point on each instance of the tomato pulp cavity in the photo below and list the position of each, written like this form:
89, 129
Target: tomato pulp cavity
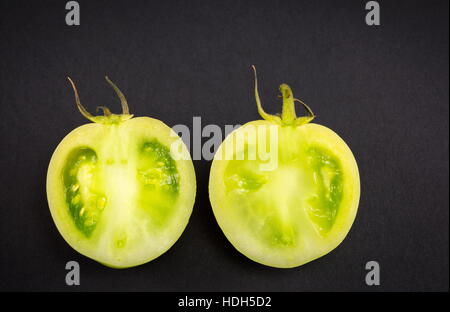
115, 191
292, 213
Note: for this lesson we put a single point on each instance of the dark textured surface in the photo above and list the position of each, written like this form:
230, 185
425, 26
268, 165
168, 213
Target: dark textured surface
383, 89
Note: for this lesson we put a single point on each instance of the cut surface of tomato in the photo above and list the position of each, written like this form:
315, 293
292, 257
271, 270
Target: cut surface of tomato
296, 211
115, 190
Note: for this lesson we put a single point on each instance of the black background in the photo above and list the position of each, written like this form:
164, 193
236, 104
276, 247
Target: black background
384, 89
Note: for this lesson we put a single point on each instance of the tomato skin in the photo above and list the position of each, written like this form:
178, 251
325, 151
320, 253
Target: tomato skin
124, 235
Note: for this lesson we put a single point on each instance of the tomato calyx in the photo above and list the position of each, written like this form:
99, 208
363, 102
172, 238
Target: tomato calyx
107, 117
288, 116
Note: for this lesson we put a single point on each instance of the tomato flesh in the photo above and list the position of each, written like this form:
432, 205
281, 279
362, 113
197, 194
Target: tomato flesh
321, 197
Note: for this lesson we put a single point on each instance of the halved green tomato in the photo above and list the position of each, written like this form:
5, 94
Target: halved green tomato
284, 191
116, 191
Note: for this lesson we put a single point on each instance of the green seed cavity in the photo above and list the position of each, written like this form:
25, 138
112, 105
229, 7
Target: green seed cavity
158, 169
159, 181
84, 203
327, 176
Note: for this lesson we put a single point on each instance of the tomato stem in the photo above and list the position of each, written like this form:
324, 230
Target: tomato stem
108, 117
288, 115
81, 108
261, 111
304, 119
288, 111
122, 98
106, 111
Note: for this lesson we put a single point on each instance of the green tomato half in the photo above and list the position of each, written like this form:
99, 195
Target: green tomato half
115, 190
292, 213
